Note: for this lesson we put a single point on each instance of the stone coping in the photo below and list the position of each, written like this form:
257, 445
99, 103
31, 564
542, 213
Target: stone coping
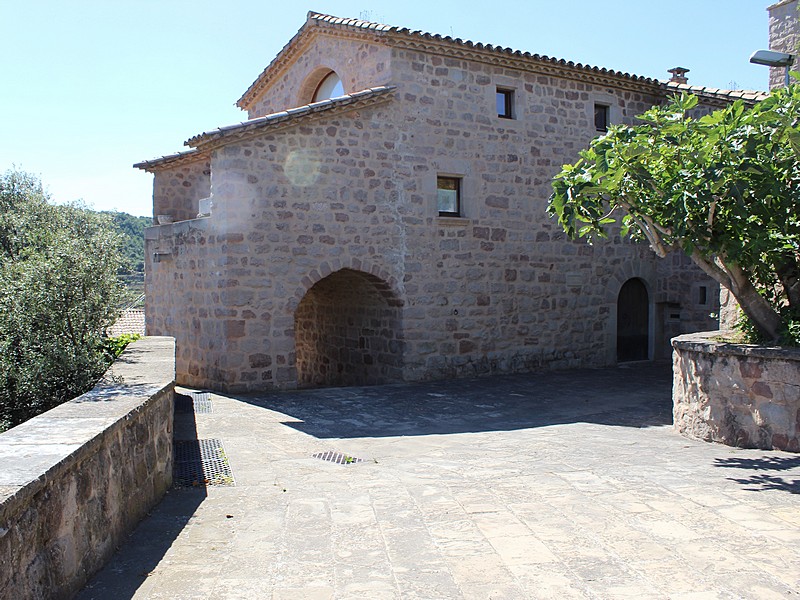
714, 341
40, 450
779, 3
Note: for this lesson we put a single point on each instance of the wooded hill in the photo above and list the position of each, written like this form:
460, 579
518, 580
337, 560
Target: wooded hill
132, 229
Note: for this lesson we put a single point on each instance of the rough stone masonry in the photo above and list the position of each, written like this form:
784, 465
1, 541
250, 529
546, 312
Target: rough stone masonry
320, 257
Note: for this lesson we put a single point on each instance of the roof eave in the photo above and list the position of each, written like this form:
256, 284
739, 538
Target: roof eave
171, 160
715, 96
423, 41
210, 140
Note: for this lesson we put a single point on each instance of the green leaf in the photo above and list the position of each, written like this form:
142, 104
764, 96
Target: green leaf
671, 168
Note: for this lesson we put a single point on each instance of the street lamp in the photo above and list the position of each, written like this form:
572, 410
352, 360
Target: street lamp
770, 58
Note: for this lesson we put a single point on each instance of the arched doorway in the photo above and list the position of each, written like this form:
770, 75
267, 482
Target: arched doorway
348, 331
633, 322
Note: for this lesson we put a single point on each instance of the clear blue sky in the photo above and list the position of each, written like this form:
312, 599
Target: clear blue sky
88, 87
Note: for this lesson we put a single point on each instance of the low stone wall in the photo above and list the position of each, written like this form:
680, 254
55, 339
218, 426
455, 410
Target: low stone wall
76, 479
736, 394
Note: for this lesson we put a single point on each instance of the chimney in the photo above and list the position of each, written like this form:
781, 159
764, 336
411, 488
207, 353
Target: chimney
679, 75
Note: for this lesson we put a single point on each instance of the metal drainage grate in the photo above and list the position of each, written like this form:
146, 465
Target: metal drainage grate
201, 462
337, 457
196, 402
202, 402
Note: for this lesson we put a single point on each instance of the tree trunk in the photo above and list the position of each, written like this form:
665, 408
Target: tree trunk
765, 319
788, 271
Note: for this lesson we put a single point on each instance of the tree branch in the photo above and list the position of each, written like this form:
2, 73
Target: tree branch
711, 269
712, 208
651, 233
655, 243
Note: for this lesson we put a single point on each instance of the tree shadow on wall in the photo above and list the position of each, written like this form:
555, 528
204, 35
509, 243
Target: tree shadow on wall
633, 396
767, 480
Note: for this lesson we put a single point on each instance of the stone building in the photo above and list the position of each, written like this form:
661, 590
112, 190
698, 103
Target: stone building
784, 36
380, 217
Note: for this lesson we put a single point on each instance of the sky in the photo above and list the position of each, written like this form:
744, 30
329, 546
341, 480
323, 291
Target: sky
89, 87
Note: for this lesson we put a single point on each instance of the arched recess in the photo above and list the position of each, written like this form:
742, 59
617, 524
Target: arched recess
348, 331
633, 321
322, 83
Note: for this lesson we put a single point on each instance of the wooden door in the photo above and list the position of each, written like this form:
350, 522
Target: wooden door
633, 322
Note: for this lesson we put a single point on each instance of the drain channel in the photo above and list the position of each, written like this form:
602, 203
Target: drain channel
337, 457
201, 463
196, 402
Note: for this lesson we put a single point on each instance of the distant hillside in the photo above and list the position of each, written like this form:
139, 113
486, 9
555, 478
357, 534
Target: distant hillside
132, 229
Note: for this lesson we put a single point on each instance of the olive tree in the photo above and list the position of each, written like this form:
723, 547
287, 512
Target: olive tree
723, 187
58, 292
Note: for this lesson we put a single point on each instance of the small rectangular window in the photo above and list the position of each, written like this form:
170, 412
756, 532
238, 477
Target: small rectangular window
702, 296
601, 117
448, 196
505, 103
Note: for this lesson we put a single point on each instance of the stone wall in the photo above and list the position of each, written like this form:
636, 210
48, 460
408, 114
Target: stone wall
784, 36
687, 301
76, 480
290, 208
497, 289
502, 289
359, 64
178, 189
740, 395
193, 293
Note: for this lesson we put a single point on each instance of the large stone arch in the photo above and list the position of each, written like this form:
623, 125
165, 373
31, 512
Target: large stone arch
389, 287
348, 330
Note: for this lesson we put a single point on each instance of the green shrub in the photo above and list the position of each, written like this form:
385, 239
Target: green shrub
112, 347
58, 293
789, 333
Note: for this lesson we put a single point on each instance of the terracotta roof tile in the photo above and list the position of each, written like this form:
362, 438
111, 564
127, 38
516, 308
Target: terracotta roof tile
170, 159
214, 137
404, 34
710, 93
130, 321
348, 100
405, 31
397, 34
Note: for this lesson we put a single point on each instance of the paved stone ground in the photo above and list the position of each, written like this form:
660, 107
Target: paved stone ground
560, 485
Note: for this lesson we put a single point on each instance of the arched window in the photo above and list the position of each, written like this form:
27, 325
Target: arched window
330, 87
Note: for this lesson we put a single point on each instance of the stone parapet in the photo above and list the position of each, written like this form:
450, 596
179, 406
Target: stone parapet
737, 394
76, 479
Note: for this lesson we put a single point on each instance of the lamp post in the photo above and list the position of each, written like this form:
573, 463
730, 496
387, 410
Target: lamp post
770, 58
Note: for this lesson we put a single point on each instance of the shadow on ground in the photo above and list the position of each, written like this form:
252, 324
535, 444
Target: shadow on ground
147, 545
766, 480
631, 396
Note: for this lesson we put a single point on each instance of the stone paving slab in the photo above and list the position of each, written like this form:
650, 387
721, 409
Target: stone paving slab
558, 485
